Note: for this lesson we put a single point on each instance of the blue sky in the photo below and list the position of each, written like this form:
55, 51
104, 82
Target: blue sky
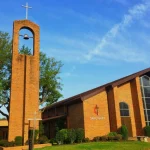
98, 41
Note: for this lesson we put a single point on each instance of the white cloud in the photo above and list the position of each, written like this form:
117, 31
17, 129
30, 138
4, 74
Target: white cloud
71, 72
122, 53
145, 23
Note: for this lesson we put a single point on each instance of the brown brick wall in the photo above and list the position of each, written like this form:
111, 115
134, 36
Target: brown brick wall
139, 96
117, 109
137, 103
112, 109
96, 125
75, 116
124, 95
129, 93
81, 115
24, 83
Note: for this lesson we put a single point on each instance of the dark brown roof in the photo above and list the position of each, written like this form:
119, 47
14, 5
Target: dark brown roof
89, 93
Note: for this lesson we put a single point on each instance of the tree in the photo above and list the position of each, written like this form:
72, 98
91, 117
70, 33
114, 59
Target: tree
5, 71
50, 82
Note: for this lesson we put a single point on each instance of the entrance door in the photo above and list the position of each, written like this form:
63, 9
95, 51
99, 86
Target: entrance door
127, 122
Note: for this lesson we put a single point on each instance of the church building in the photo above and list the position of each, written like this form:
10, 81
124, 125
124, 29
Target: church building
104, 109
101, 110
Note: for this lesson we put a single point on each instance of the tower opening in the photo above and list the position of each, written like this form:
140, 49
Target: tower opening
26, 39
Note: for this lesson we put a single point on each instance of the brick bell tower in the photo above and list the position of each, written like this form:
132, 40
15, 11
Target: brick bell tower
24, 99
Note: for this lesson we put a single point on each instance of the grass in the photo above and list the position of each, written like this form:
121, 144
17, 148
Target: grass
102, 146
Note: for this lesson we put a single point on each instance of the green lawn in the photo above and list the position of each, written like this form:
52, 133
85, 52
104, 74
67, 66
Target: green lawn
102, 146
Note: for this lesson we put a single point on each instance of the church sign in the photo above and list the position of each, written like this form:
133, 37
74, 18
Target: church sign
97, 117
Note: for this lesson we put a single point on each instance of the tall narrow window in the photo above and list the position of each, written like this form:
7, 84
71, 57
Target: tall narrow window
124, 109
145, 89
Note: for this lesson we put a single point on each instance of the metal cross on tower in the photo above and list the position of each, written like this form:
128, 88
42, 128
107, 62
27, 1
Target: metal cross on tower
27, 7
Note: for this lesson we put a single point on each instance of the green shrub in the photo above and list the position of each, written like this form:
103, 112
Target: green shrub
52, 141
79, 135
104, 138
41, 128
112, 134
2, 142
59, 137
86, 140
18, 140
36, 135
43, 139
5, 143
111, 138
65, 134
124, 132
147, 131
71, 135
11, 144
118, 137
96, 139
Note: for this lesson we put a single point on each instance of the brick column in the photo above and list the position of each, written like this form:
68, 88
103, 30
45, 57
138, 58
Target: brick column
117, 109
24, 83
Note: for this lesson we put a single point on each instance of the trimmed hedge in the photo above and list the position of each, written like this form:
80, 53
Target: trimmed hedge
43, 139
110, 137
104, 138
59, 137
69, 136
86, 140
112, 133
79, 135
118, 137
97, 138
5, 143
18, 140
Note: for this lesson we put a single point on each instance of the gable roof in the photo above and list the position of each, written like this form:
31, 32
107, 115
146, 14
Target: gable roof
92, 92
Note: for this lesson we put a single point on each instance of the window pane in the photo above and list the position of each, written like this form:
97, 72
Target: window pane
123, 105
147, 91
148, 112
145, 115
148, 105
121, 112
124, 112
145, 81
148, 118
147, 100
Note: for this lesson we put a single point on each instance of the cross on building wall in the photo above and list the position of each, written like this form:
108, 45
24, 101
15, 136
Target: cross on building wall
27, 7
96, 108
